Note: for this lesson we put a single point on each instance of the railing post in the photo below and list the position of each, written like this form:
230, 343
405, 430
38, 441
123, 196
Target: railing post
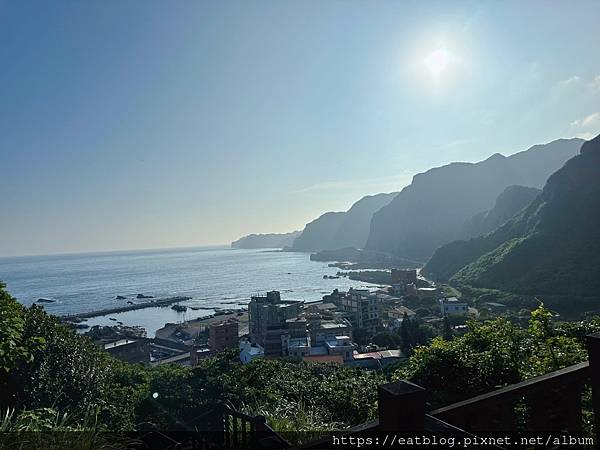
401, 406
593, 348
260, 424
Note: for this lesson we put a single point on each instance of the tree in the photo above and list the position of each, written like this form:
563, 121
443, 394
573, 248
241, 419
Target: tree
386, 339
486, 356
413, 333
15, 346
491, 354
550, 350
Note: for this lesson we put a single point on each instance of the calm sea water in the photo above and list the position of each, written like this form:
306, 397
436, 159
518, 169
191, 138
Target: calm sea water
214, 277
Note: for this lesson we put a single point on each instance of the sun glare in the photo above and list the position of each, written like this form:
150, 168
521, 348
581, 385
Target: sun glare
438, 61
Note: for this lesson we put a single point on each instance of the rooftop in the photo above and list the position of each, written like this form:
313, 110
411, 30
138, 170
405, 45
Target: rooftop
181, 358
337, 342
402, 310
298, 342
118, 343
253, 350
379, 355
298, 319
332, 325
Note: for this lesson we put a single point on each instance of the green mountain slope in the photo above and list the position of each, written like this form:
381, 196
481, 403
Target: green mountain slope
433, 209
512, 200
450, 258
552, 248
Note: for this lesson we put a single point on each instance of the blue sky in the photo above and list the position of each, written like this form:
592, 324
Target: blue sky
139, 124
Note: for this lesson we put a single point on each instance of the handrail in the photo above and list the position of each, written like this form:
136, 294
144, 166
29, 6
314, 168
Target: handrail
576, 372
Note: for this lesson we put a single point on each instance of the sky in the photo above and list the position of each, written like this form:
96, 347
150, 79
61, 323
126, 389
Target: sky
153, 124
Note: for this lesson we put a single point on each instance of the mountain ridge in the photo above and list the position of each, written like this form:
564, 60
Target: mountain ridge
265, 240
433, 209
551, 249
336, 230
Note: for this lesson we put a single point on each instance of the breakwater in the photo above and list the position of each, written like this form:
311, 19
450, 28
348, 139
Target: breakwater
131, 307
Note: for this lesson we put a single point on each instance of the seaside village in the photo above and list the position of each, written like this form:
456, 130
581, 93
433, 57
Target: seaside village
336, 329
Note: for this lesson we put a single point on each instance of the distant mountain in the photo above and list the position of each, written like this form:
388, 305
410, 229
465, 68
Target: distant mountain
552, 248
272, 240
335, 230
318, 234
433, 209
450, 258
512, 200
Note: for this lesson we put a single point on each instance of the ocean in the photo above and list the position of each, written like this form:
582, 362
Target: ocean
215, 277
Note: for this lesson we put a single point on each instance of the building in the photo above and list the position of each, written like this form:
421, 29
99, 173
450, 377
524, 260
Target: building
298, 347
297, 327
323, 309
376, 360
398, 312
199, 353
320, 329
249, 352
223, 335
267, 320
396, 316
427, 292
129, 350
340, 346
452, 306
404, 276
362, 308
411, 289
334, 297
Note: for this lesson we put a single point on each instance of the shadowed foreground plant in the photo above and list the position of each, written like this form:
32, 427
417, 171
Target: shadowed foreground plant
48, 428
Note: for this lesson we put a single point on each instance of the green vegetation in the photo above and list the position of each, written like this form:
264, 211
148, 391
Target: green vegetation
495, 353
47, 365
549, 250
53, 379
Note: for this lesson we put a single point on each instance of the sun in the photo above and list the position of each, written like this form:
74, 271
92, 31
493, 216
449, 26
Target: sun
438, 61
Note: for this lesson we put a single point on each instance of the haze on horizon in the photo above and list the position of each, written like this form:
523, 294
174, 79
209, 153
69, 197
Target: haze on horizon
137, 124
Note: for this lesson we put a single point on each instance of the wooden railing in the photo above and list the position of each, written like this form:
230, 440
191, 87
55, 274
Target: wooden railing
551, 402
548, 402
219, 426
242, 431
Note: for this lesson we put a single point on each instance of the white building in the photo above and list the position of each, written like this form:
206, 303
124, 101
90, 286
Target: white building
452, 306
249, 352
298, 347
340, 345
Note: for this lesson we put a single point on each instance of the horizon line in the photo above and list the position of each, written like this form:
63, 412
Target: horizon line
124, 250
